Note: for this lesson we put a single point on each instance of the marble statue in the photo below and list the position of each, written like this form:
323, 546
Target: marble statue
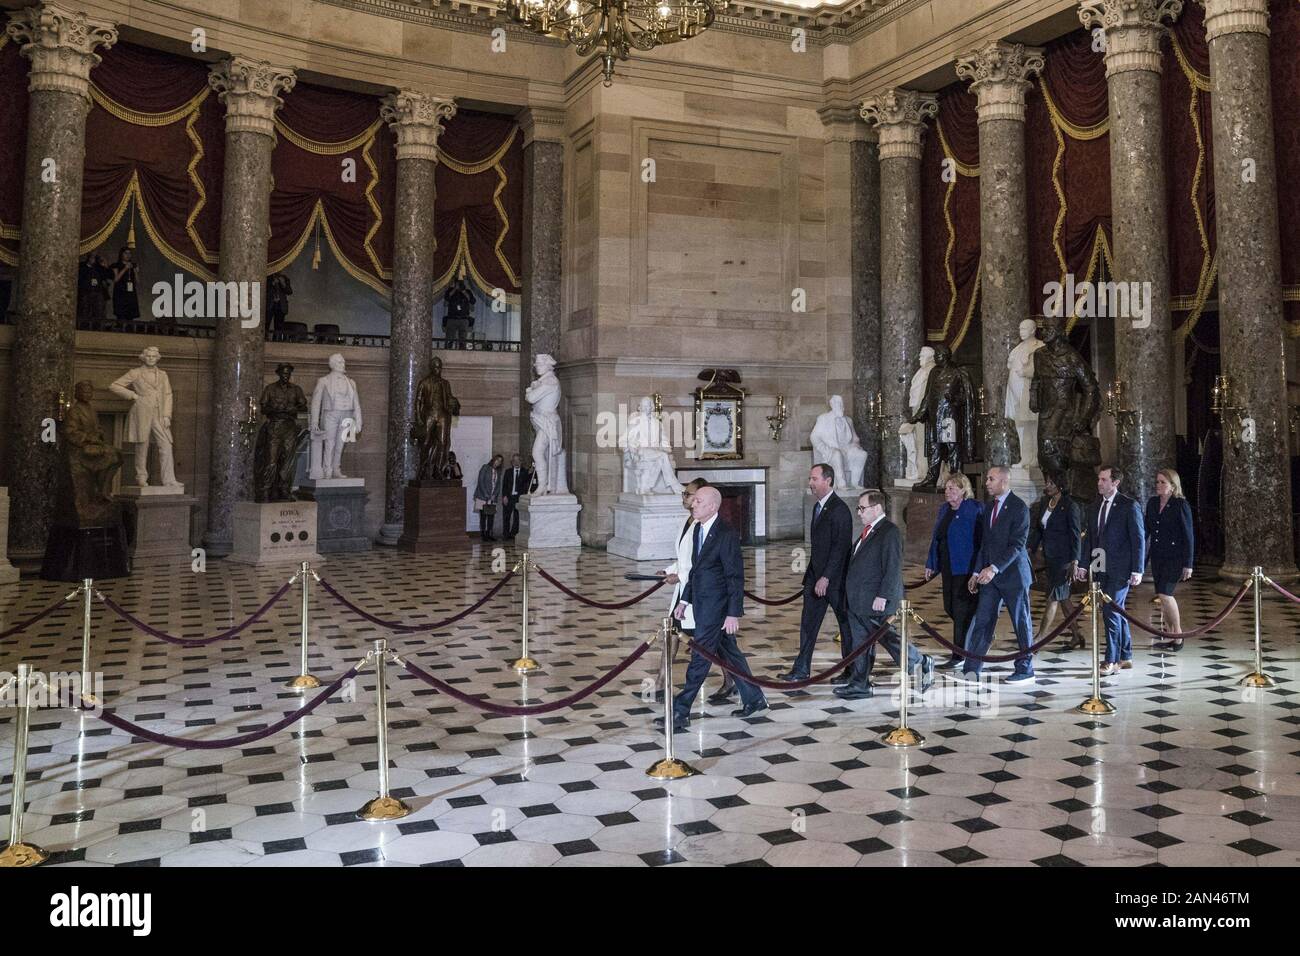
1067, 400
1020, 376
86, 497
548, 433
948, 414
150, 419
907, 431
648, 466
334, 419
275, 456
435, 407
835, 442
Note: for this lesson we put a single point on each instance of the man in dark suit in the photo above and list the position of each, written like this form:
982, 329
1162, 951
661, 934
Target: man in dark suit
873, 587
1005, 577
515, 484
823, 579
715, 590
1113, 546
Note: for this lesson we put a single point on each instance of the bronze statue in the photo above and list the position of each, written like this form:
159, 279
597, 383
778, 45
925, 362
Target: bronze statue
1065, 396
435, 407
949, 416
85, 498
280, 439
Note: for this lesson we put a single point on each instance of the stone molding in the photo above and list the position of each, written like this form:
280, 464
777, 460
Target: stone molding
1133, 28
542, 124
999, 76
1223, 17
416, 120
899, 116
61, 46
250, 90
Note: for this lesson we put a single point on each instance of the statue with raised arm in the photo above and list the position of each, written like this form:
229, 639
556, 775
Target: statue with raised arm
435, 407
548, 433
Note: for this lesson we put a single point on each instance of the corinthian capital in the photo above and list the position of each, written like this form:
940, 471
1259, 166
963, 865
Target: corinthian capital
1133, 30
251, 90
1234, 16
900, 116
61, 45
999, 73
416, 120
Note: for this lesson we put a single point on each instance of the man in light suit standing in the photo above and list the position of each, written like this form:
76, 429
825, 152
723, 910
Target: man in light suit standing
1114, 527
1005, 576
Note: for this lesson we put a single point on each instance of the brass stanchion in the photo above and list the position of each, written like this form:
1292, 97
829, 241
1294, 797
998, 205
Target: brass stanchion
17, 853
304, 681
384, 806
1096, 704
1257, 678
524, 664
903, 735
87, 592
669, 767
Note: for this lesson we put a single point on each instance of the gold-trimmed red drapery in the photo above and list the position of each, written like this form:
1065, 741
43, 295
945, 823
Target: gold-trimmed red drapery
13, 145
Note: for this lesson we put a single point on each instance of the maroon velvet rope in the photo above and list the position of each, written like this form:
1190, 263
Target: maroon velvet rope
23, 625
1283, 591
185, 743
797, 594
794, 684
412, 628
1195, 632
505, 710
600, 604
193, 641
1003, 658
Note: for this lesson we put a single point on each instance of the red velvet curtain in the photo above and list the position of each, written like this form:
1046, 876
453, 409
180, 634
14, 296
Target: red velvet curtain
1284, 44
13, 145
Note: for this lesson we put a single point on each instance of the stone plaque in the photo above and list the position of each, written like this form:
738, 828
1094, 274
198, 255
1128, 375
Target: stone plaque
275, 532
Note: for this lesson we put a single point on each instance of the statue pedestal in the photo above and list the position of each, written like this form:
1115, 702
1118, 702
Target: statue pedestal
919, 511
341, 513
8, 573
434, 516
646, 527
548, 521
275, 532
1027, 483
847, 495
73, 554
150, 491
157, 525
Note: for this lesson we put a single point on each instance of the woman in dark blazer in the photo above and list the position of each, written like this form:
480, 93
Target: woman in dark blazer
1170, 546
1054, 525
954, 546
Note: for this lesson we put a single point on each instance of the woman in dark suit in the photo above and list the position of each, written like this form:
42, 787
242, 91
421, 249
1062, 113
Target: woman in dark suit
126, 293
1054, 525
954, 546
1170, 546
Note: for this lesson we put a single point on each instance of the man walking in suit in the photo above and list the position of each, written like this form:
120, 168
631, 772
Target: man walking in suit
715, 591
873, 587
1115, 539
823, 580
1005, 577
516, 484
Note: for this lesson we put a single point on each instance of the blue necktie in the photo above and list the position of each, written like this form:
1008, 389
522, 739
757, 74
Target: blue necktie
817, 510
696, 540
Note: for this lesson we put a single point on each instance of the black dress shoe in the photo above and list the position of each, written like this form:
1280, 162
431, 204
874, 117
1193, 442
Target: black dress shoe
718, 699
843, 677
680, 726
793, 676
749, 710
949, 664
659, 696
854, 692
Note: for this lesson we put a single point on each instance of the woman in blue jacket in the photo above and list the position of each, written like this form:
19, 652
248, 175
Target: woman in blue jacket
1054, 525
1170, 546
954, 546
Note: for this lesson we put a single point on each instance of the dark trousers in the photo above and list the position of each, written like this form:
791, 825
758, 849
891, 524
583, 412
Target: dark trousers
980, 637
810, 624
486, 519
861, 628
720, 644
1119, 639
510, 517
959, 604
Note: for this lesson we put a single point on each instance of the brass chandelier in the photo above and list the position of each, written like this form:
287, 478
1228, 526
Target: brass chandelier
615, 27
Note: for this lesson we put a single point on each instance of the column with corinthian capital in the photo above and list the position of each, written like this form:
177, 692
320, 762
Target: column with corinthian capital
250, 91
1256, 467
416, 119
899, 115
1144, 342
61, 47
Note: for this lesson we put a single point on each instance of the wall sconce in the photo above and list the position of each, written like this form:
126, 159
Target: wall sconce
1115, 403
248, 425
876, 413
659, 404
776, 422
63, 403
1238, 426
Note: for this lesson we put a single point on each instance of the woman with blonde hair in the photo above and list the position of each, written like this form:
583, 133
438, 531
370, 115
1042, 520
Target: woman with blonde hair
954, 546
1170, 546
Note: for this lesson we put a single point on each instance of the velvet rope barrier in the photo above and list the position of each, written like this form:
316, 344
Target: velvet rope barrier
600, 604
121, 723
1283, 591
1179, 635
505, 710
797, 684
797, 594
1001, 658
414, 628
40, 615
135, 622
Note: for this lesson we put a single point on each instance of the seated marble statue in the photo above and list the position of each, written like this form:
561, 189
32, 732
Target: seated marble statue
648, 466
85, 497
835, 442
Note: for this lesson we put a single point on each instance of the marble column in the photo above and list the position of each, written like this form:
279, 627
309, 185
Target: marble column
1256, 474
543, 226
416, 119
61, 47
1144, 345
250, 91
999, 73
899, 116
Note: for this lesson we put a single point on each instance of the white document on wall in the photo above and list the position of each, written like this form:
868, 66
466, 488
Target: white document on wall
471, 440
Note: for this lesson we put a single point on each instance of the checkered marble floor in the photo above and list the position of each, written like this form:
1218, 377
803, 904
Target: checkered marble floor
1190, 770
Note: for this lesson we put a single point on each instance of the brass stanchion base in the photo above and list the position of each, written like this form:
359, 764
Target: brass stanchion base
1095, 705
304, 682
91, 700
525, 665
383, 808
1257, 679
837, 637
22, 854
902, 737
670, 768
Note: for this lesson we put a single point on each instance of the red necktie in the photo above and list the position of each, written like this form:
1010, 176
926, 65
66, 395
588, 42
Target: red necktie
994, 519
